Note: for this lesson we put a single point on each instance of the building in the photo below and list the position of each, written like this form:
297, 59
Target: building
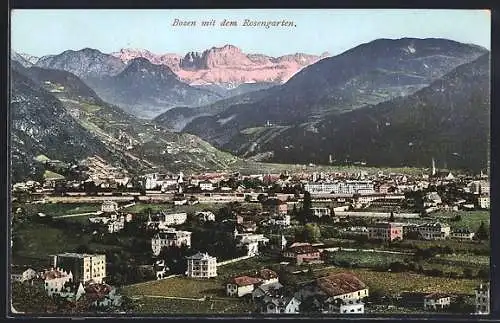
164, 220
282, 220
434, 231
170, 238
274, 206
336, 292
320, 212
206, 186
55, 280
201, 265
205, 216
109, 206
279, 305
482, 299
351, 306
484, 202
268, 276
341, 187
269, 289
84, 267
116, 225
242, 285
302, 253
22, 275
436, 301
432, 199
386, 231
462, 234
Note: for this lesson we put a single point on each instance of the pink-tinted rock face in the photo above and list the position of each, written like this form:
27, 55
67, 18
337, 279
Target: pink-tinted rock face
226, 65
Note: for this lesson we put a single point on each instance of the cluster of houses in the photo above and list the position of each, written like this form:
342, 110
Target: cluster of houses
71, 277
111, 218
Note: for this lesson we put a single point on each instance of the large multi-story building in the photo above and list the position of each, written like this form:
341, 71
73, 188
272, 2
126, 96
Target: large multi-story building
84, 267
484, 201
170, 238
164, 220
201, 265
385, 231
483, 299
341, 187
434, 231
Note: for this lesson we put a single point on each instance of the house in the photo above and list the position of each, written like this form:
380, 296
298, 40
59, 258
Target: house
180, 200
103, 295
350, 306
55, 280
462, 234
282, 220
251, 241
335, 288
386, 231
206, 186
274, 206
242, 285
117, 225
268, 276
432, 199
278, 305
302, 253
269, 289
201, 265
320, 212
22, 274
436, 301
434, 231
482, 300
160, 269
170, 237
484, 202
85, 267
205, 216
164, 220
109, 206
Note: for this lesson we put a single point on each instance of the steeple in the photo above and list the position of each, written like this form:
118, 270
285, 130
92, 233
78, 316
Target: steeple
433, 167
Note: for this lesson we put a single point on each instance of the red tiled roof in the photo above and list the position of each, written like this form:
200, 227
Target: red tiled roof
267, 274
339, 284
245, 280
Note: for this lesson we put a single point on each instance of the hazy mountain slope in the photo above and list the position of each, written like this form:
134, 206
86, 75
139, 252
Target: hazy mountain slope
86, 63
367, 74
41, 125
448, 121
146, 90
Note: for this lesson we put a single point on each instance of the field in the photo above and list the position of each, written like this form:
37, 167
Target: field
365, 259
394, 283
183, 307
468, 219
177, 287
58, 209
142, 207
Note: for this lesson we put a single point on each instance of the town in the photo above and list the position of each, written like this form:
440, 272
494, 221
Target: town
90, 237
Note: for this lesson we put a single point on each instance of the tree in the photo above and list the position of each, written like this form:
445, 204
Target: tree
306, 206
391, 217
482, 232
312, 233
261, 198
248, 198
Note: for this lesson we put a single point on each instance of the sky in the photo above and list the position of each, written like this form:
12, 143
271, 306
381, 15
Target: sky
315, 31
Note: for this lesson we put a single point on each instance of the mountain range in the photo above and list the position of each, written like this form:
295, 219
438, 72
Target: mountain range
226, 66
383, 103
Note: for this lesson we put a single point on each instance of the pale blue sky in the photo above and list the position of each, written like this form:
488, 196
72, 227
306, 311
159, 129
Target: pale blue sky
44, 32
